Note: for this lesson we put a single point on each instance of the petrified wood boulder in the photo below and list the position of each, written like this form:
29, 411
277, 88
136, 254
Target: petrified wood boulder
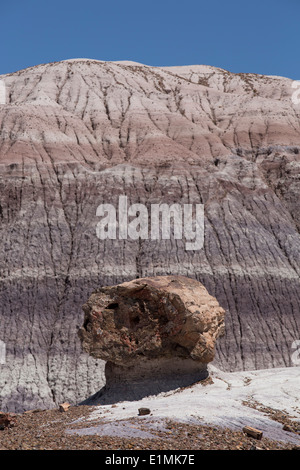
155, 333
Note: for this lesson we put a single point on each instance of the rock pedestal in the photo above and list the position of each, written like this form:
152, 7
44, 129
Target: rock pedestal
144, 377
156, 334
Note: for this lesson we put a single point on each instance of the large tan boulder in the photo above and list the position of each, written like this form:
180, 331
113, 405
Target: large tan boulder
157, 332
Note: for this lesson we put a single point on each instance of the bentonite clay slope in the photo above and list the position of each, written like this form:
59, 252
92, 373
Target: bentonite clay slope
101, 112
79, 133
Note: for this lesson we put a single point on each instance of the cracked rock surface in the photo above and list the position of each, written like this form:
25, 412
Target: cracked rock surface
155, 317
79, 133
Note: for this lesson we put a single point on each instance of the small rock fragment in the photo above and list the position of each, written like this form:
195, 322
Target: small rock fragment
144, 411
256, 433
7, 420
64, 407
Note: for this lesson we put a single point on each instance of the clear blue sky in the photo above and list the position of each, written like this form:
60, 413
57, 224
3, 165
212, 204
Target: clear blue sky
259, 36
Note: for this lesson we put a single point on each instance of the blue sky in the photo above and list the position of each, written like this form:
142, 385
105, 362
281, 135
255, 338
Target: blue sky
259, 36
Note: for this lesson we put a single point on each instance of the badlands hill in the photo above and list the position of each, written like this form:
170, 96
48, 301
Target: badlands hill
78, 133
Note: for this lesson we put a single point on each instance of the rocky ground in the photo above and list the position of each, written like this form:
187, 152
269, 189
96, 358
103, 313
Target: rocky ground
208, 415
50, 430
